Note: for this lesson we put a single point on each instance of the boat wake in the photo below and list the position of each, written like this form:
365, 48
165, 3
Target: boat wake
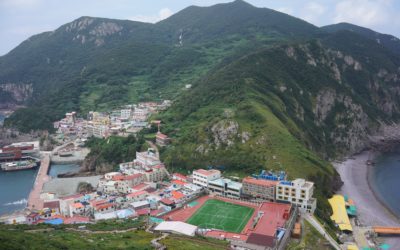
19, 202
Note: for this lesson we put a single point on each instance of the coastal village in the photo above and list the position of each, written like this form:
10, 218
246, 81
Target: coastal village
262, 211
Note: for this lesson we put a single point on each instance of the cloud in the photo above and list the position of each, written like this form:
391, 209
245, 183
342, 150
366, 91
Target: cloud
312, 12
364, 12
161, 15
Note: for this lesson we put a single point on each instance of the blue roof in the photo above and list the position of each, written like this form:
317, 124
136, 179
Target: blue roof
57, 221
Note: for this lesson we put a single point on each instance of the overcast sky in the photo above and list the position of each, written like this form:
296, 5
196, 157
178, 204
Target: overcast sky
20, 19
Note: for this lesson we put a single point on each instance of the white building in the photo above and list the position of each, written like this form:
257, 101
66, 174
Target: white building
201, 177
98, 131
148, 158
140, 114
176, 227
225, 187
298, 192
125, 113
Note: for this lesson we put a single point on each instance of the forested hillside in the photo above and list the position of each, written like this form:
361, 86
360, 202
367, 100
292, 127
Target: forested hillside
269, 90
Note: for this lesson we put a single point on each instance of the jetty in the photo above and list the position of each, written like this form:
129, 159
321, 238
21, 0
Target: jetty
34, 201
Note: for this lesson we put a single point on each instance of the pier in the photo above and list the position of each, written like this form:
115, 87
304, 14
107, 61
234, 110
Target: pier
34, 201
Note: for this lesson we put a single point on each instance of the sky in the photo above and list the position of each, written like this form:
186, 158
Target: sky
20, 19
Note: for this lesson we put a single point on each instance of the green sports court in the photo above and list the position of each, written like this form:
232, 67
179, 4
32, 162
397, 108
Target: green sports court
221, 215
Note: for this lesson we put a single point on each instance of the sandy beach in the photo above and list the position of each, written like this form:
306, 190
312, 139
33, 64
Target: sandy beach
371, 212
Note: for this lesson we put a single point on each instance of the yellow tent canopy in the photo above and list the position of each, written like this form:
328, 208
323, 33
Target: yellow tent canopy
339, 215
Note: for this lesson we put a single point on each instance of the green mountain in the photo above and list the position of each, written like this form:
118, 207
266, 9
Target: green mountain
388, 41
96, 63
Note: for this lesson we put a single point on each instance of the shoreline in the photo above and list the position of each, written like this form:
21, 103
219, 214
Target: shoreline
372, 211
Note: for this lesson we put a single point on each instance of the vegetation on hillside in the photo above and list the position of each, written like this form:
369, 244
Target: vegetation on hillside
105, 155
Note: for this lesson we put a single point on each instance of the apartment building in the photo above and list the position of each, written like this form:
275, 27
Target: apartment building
201, 177
298, 192
259, 188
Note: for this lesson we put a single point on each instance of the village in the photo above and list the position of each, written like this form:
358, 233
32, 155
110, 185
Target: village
261, 211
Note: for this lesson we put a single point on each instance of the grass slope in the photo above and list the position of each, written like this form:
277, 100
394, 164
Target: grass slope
222, 215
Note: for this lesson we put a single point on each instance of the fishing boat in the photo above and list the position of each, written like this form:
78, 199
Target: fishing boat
18, 165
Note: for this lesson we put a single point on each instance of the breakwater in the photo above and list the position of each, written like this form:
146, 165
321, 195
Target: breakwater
34, 201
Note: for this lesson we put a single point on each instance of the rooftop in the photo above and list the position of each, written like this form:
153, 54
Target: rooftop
207, 172
222, 181
260, 182
274, 215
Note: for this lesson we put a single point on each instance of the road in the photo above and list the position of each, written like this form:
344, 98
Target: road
321, 230
34, 201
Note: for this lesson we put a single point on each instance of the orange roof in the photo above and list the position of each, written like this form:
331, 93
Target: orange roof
260, 182
177, 195
77, 205
104, 206
179, 182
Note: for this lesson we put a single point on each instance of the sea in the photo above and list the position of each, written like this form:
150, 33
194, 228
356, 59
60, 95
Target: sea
16, 186
385, 180
1, 119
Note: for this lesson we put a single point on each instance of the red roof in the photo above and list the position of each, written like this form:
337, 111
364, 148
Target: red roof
94, 203
167, 201
156, 212
140, 186
260, 182
207, 172
52, 204
76, 220
273, 217
126, 177
143, 211
161, 136
138, 193
179, 176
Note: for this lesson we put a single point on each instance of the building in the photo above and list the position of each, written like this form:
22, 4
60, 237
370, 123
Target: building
125, 113
70, 117
201, 177
98, 131
140, 114
162, 139
298, 192
259, 188
124, 183
147, 159
270, 224
225, 187
176, 227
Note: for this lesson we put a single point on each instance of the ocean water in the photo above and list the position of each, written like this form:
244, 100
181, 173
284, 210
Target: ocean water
1, 119
385, 180
56, 169
16, 186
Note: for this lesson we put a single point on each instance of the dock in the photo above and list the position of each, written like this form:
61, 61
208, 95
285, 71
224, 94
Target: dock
34, 201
